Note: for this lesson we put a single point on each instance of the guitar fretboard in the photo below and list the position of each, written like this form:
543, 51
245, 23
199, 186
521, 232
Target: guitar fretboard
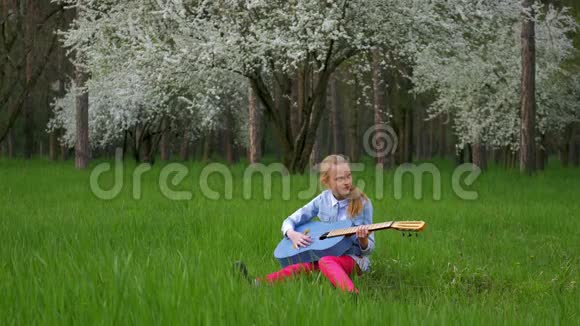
397, 225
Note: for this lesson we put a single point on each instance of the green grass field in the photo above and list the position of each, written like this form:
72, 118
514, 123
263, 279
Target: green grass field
68, 257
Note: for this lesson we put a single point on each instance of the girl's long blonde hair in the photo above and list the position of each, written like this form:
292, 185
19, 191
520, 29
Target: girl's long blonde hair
356, 196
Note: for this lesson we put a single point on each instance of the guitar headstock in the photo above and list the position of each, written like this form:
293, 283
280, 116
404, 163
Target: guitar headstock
410, 226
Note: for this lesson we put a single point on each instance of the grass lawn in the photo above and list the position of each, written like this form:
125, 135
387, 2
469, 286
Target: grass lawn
66, 256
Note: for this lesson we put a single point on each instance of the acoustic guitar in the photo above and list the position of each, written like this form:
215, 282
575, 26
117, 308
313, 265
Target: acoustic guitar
332, 239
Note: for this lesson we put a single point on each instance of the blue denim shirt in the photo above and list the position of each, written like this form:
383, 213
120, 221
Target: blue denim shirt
329, 209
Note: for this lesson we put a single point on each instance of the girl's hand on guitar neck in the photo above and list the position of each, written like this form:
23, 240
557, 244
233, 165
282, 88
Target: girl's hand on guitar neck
362, 233
299, 239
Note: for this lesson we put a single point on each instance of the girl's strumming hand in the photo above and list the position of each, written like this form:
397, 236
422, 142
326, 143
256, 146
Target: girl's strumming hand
299, 239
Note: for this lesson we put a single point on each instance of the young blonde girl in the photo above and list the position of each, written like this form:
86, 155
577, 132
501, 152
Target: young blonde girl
341, 200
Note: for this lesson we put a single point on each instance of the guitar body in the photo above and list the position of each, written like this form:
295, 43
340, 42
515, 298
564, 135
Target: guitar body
335, 246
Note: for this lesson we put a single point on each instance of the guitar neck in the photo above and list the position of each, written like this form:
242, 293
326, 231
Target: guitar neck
352, 230
412, 226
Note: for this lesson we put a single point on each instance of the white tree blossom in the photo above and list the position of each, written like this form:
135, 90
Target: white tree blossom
142, 71
475, 75
192, 61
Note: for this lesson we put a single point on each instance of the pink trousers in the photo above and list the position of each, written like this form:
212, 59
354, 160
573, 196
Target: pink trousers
335, 269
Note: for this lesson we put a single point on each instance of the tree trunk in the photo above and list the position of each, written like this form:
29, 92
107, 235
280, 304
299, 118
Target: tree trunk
28, 109
4, 148
379, 107
164, 151
184, 147
425, 139
564, 147
460, 156
63, 153
303, 94
541, 159
298, 102
420, 123
28, 129
305, 81
255, 118
327, 134
453, 139
228, 140
497, 156
469, 153
137, 143
146, 148
541, 155
10, 143
282, 90
53, 146
207, 147
432, 137
408, 137
563, 154
315, 154
125, 141
307, 136
353, 133
479, 156
336, 110
574, 150
528, 86
82, 151
442, 137
571, 138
